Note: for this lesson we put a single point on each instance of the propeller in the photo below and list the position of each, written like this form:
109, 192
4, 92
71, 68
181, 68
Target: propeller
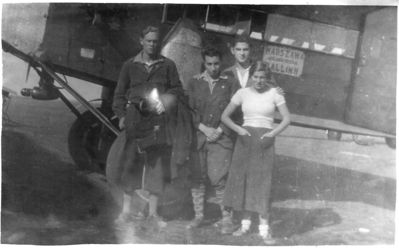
27, 72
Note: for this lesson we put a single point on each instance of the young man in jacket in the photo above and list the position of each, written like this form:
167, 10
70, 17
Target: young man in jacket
241, 50
209, 93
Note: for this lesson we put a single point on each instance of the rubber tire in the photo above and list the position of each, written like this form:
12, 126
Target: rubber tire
82, 142
334, 135
175, 203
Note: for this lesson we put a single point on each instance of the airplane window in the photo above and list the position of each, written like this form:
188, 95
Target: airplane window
173, 12
236, 20
222, 15
310, 35
244, 15
258, 26
243, 23
196, 13
221, 19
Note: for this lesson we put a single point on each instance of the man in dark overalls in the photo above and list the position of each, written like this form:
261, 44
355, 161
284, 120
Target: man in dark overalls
147, 102
209, 93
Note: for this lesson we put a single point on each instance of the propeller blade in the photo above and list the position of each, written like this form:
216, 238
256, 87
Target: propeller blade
27, 72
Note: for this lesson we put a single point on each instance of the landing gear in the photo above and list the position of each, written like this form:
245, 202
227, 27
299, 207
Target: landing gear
89, 142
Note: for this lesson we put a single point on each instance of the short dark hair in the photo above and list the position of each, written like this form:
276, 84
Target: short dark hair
149, 29
211, 52
242, 39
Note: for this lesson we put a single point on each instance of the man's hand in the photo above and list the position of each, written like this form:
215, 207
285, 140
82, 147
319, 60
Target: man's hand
215, 135
159, 108
212, 134
122, 123
280, 91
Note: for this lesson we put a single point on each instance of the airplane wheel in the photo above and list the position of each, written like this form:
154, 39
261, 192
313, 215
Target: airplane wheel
391, 142
89, 145
334, 135
89, 142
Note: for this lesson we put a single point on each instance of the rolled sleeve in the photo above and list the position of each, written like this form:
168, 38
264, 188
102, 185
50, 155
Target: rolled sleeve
278, 99
237, 98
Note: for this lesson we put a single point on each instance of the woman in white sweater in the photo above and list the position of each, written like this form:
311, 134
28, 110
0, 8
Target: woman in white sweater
248, 186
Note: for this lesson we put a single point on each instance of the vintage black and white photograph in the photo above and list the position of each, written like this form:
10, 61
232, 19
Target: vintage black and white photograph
234, 124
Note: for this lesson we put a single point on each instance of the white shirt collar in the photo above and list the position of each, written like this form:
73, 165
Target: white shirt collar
243, 78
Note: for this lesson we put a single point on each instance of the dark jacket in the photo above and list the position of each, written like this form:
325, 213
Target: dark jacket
146, 129
207, 107
135, 80
232, 72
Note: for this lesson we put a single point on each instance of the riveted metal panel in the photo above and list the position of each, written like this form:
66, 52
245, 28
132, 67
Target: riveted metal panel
373, 99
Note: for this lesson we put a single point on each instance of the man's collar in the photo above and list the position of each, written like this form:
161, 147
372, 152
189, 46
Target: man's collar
239, 67
139, 59
205, 76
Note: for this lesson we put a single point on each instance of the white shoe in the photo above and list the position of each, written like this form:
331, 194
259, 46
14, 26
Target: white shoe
244, 229
241, 231
264, 232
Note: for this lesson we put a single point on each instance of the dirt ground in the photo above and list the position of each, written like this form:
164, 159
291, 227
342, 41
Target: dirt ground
324, 192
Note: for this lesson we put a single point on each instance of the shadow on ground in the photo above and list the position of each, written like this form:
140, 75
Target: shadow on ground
305, 180
46, 202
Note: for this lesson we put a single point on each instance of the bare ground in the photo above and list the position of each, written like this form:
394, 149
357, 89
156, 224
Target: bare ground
324, 192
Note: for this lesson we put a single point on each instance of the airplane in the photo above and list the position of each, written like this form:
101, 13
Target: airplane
336, 64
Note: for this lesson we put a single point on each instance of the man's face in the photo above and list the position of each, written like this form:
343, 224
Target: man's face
150, 43
212, 66
241, 52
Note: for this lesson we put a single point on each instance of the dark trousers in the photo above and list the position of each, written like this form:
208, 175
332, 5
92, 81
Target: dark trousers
213, 163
